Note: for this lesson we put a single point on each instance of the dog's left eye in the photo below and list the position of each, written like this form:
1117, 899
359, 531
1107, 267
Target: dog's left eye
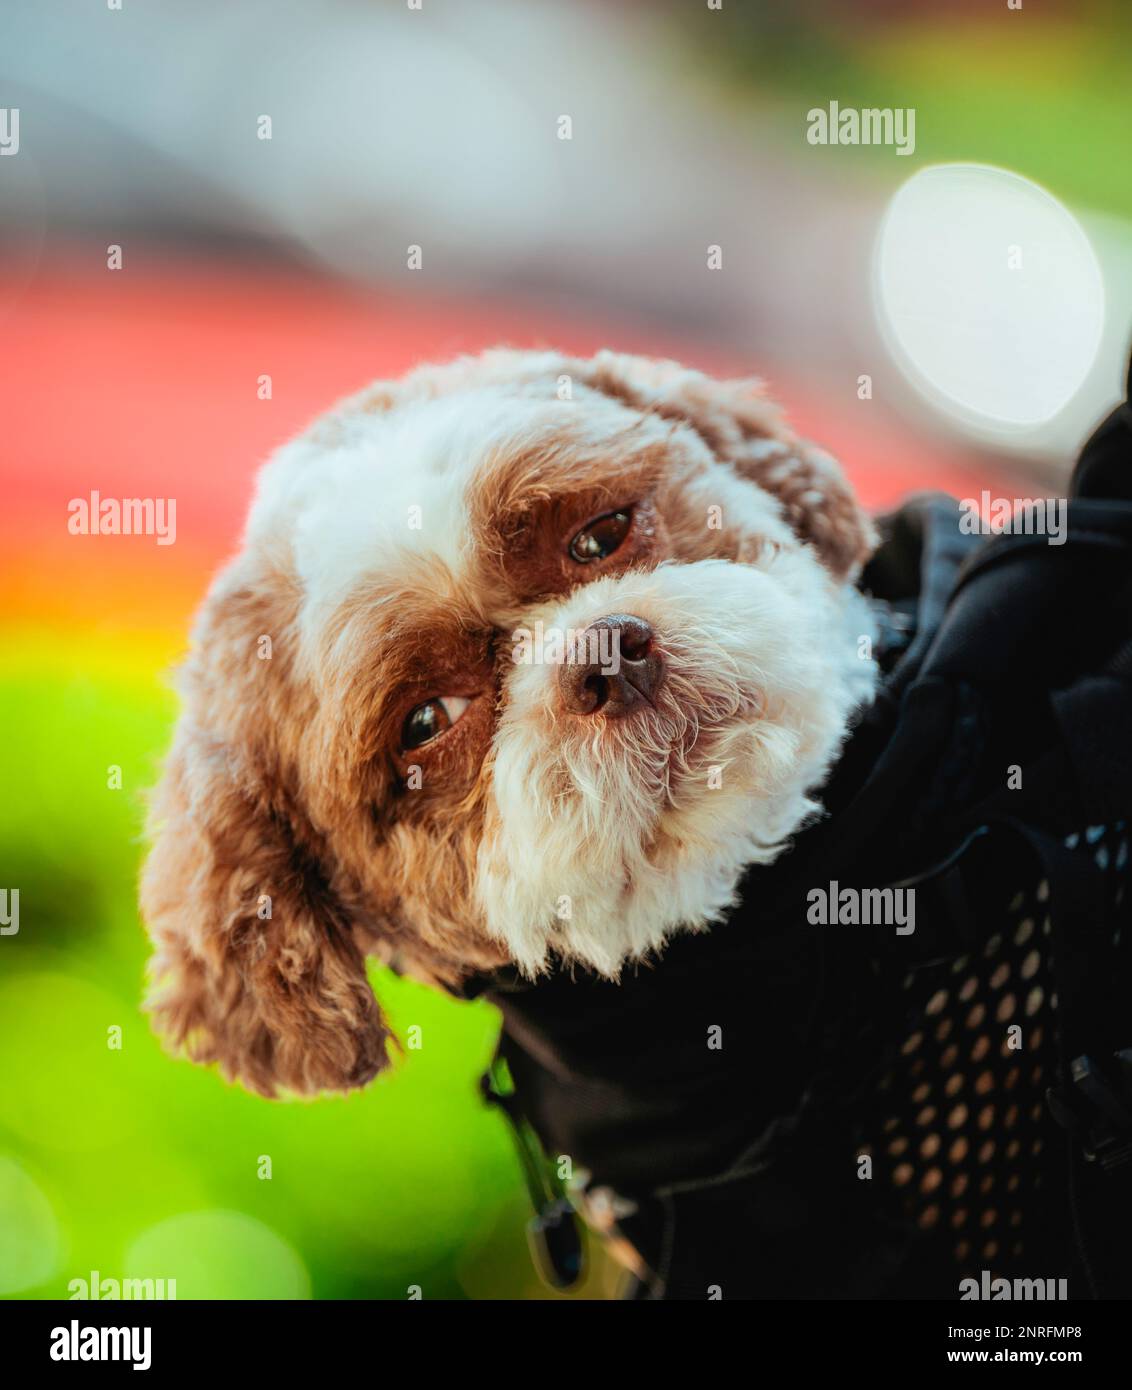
430, 720
601, 537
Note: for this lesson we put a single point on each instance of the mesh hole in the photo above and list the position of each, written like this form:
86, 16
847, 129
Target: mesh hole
929, 1217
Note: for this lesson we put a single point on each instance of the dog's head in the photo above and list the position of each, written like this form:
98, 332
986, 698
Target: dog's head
523, 658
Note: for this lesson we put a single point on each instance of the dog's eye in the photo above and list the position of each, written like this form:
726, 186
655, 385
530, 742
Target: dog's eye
430, 720
601, 537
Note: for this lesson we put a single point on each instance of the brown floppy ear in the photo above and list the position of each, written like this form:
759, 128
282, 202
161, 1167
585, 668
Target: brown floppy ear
745, 430
255, 966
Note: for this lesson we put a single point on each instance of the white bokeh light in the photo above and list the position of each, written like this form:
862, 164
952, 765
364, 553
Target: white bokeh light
989, 295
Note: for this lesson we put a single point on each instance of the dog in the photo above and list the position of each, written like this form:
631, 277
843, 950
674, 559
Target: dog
369, 762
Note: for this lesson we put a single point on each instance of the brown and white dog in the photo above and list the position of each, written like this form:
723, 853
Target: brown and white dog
369, 762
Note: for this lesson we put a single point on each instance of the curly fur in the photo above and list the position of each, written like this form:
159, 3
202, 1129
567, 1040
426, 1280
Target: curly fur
389, 556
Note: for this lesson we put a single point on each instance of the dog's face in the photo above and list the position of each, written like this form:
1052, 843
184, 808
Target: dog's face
524, 658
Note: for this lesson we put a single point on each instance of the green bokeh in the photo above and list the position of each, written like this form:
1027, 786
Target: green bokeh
1042, 90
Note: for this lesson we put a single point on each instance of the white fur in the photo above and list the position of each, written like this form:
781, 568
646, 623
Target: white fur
380, 496
603, 836
607, 835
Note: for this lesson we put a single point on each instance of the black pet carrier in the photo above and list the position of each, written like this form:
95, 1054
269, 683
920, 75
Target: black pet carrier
886, 1114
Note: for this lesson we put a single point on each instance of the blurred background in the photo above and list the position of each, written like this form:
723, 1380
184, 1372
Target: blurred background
878, 293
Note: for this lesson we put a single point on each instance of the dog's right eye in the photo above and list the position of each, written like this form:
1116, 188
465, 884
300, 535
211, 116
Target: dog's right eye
430, 720
601, 537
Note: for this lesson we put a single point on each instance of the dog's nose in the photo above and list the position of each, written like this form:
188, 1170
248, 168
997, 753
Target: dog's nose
612, 667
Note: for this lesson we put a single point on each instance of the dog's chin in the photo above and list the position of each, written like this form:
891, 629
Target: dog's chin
606, 836
662, 821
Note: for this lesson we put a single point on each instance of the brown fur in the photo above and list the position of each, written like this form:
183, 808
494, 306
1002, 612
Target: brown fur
285, 782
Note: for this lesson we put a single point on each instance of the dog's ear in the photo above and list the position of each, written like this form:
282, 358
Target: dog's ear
255, 965
745, 430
